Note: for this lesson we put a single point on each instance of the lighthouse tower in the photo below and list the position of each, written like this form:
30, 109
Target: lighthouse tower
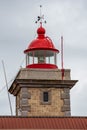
39, 88
41, 53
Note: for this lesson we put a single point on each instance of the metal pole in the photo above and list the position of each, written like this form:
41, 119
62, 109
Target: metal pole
62, 52
62, 58
7, 87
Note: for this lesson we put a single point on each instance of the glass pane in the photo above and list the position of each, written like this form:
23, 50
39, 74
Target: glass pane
45, 96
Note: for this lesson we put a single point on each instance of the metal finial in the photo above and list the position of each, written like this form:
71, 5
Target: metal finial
40, 19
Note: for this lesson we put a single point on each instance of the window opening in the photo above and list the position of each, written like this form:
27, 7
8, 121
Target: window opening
45, 96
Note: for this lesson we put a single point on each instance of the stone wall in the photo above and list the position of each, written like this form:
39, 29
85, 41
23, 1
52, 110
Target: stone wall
22, 105
44, 74
29, 86
30, 102
65, 96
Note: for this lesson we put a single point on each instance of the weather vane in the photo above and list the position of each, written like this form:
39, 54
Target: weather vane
40, 19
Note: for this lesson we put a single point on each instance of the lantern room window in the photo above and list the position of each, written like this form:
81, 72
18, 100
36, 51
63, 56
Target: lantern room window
41, 52
41, 57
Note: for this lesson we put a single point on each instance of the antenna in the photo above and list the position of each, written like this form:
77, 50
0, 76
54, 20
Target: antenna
40, 19
7, 87
40, 10
62, 63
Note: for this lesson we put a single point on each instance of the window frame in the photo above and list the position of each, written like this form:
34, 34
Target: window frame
42, 96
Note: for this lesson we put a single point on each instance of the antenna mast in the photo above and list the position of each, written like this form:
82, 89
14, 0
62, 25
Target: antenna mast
7, 87
40, 10
62, 63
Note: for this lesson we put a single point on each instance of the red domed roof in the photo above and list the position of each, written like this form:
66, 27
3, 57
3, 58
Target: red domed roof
41, 42
40, 30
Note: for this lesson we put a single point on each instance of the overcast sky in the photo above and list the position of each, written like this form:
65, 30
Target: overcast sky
18, 29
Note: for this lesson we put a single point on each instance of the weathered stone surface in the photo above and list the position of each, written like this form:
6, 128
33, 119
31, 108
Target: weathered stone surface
24, 90
24, 113
23, 101
66, 90
65, 96
50, 74
65, 108
66, 101
67, 113
26, 108
40, 109
26, 95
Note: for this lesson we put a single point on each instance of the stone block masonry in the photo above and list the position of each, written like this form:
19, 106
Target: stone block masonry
39, 109
29, 86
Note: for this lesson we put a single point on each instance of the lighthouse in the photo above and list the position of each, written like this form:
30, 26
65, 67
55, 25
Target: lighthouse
39, 88
41, 52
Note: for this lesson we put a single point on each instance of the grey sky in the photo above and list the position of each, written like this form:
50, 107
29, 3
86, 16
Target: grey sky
18, 29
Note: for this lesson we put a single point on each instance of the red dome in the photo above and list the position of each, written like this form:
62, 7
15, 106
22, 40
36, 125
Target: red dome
41, 42
41, 30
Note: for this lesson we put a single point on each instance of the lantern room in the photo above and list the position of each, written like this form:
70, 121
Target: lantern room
41, 52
